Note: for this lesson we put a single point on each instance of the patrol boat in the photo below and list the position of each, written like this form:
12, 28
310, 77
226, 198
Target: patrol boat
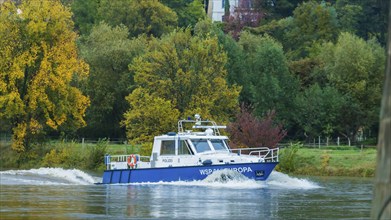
190, 155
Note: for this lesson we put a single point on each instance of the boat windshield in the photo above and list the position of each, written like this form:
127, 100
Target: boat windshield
204, 145
218, 144
201, 145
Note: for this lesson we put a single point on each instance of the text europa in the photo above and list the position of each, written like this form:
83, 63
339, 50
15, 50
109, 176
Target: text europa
237, 169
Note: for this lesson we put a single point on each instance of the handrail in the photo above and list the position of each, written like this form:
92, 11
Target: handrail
268, 154
123, 158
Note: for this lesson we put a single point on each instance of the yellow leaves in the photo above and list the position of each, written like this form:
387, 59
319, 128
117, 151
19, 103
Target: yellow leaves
39, 62
181, 75
56, 157
19, 134
79, 105
44, 17
35, 127
148, 116
11, 105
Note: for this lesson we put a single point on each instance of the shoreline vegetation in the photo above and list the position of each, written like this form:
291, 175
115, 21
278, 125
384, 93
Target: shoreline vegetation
294, 159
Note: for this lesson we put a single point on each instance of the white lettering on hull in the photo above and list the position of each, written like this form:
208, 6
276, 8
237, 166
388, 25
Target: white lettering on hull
237, 169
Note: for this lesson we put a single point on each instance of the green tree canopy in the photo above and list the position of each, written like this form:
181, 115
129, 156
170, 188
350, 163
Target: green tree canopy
108, 51
234, 51
85, 15
189, 12
319, 110
38, 66
189, 72
349, 16
312, 22
148, 17
148, 116
356, 68
271, 84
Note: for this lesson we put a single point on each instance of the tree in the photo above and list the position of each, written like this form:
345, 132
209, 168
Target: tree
189, 12
271, 84
356, 68
319, 110
249, 131
189, 72
235, 61
312, 22
278, 29
349, 16
248, 13
85, 15
140, 16
148, 17
148, 116
280, 9
39, 68
108, 51
374, 19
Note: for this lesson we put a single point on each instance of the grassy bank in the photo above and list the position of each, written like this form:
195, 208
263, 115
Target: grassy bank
61, 154
327, 161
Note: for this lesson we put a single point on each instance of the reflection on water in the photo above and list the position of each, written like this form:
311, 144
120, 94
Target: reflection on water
282, 197
162, 201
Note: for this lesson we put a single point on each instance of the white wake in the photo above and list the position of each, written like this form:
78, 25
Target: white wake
46, 176
283, 181
232, 179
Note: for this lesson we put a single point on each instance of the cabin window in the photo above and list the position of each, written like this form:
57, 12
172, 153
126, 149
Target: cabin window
167, 148
201, 145
183, 148
218, 144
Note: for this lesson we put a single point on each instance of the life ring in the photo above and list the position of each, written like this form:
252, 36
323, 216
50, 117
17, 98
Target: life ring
132, 161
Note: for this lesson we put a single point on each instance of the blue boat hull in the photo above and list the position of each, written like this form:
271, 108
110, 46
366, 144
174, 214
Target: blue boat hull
256, 171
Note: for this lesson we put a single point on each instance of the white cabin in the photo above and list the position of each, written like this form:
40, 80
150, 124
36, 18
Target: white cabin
203, 145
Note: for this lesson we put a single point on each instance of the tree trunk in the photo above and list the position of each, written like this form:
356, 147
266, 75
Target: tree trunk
381, 205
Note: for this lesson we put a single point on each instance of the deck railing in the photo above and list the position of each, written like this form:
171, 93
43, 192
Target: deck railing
268, 154
123, 158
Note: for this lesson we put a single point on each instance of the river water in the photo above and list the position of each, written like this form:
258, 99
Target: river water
55, 193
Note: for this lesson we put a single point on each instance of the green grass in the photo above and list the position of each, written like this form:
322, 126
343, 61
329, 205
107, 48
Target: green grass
344, 161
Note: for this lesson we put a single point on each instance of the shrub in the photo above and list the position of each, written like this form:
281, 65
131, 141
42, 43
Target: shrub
145, 149
59, 158
94, 157
250, 131
325, 160
288, 158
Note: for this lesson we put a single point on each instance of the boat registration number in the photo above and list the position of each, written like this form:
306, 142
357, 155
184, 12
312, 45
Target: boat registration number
237, 169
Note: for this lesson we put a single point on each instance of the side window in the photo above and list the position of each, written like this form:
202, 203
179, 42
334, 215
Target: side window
183, 148
168, 148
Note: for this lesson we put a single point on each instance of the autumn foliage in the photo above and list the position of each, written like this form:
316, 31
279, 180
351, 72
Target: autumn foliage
38, 69
246, 14
249, 131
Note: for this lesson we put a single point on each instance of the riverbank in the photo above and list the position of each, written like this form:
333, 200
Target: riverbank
328, 161
296, 160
